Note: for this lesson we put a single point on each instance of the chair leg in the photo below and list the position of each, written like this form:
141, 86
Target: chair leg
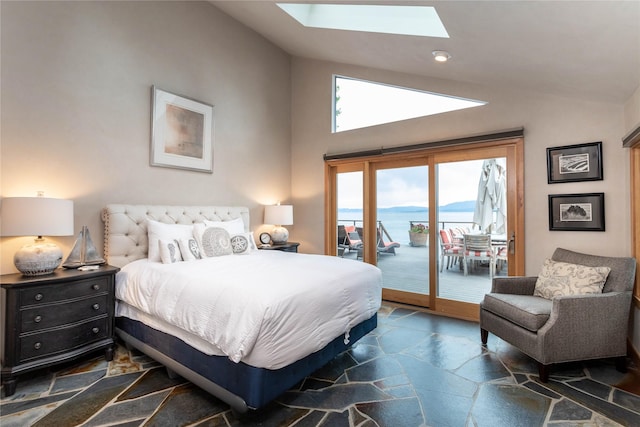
621, 364
484, 336
543, 372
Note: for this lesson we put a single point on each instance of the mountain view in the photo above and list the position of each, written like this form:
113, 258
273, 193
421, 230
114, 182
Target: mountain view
466, 206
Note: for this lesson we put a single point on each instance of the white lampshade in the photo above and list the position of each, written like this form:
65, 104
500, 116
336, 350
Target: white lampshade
279, 215
36, 216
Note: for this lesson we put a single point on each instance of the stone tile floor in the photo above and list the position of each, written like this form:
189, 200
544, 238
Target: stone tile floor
415, 369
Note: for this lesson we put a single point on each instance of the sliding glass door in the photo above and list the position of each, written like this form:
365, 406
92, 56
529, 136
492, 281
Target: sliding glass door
415, 215
402, 230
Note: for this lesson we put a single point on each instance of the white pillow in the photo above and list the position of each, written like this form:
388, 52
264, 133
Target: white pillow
234, 226
157, 231
561, 279
190, 249
170, 251
213, 241
243, 243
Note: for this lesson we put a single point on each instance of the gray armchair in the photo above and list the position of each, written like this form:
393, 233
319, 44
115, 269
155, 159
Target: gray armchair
567, 328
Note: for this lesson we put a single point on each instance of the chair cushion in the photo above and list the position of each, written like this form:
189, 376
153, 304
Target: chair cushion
527, 311
562, 279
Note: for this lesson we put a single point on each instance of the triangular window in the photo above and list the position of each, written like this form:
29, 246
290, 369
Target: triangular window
360, 103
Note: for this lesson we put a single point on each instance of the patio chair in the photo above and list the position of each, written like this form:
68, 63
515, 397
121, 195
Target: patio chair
572, 311
343, 239
501, 256
386, 247
449, 249
349, 238
477, 247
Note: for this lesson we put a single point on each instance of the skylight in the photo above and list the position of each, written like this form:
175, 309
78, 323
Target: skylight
407, 20
360, 103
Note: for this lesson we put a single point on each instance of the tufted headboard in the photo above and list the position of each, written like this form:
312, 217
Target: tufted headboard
125, 226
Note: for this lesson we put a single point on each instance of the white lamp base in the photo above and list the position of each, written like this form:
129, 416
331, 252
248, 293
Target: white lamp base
279, 235
38, 259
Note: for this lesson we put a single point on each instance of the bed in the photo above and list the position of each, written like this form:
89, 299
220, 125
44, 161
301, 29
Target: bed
297, 311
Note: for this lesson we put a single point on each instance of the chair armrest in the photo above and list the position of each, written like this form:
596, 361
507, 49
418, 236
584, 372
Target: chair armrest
591, 310
594, 322
515, 285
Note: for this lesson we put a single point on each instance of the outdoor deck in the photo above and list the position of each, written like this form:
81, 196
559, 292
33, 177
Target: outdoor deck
408, 271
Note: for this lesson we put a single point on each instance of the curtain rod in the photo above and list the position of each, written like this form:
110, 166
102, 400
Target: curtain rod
632, 138
505, 134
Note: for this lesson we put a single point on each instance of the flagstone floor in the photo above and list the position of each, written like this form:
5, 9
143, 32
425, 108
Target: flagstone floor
415, 369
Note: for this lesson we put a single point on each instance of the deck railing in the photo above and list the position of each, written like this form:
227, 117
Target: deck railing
443, 224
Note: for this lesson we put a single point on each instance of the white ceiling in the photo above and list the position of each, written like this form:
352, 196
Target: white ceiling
583, 49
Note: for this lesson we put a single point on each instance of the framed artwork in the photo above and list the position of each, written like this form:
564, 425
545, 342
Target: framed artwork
181, 132
576, 212
582, 162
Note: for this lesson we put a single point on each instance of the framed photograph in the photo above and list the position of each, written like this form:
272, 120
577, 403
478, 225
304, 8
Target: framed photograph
181, 132
572, 163
576, 212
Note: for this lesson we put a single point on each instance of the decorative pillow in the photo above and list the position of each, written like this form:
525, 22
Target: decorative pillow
189, 249
170, 251
243, 243
234, 226
561, 278
157, 231
213, 241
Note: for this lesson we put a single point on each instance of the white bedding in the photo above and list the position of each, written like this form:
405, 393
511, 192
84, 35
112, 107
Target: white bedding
267, 308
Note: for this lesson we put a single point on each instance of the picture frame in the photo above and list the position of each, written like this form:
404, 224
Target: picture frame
576, 212
181, 132
571, 163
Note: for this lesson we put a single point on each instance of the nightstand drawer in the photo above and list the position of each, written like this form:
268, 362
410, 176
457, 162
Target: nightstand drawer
52, 315
47, 343
52, 293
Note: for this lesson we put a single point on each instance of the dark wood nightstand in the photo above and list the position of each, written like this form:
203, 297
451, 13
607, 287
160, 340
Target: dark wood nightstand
286, 247
54, 318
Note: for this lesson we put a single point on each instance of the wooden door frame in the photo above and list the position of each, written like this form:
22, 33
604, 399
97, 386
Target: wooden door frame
367, 165
632, 141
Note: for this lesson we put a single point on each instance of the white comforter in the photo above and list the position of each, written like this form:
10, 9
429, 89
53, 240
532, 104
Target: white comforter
266, 308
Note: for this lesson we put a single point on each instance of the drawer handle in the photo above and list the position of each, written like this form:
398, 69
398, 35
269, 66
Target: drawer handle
37, 345
38, 297
95, 330
37, 319
96, 306
96, 287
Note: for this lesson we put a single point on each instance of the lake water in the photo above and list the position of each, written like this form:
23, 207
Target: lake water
397, 223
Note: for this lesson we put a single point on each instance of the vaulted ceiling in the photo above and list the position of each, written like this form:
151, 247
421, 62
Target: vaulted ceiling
583, 49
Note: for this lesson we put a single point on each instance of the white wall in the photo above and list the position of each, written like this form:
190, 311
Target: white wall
632, 112
548, 121
76, 89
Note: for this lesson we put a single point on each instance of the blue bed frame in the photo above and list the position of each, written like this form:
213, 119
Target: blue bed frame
241, 386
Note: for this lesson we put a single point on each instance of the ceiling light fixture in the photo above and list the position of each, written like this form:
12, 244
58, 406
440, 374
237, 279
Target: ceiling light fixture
441, 55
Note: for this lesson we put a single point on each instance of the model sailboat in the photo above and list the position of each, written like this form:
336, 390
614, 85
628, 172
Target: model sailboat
84, 252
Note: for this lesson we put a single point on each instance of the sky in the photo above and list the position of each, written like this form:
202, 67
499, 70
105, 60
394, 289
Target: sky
409, 186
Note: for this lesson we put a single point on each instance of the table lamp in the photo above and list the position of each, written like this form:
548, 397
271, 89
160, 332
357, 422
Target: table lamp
36, 216
279, 215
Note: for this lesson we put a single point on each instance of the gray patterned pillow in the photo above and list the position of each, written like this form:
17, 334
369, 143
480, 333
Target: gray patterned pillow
190, 249
243, 243
215, 242
169, 251
562, 278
